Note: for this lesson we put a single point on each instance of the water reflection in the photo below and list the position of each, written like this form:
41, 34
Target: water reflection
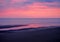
29, 26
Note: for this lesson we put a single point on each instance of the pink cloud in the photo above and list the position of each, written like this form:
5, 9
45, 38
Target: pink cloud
35, 10
14, 1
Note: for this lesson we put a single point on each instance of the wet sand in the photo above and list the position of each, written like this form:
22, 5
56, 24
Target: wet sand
40, 34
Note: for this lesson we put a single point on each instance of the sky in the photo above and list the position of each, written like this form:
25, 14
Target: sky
29, 8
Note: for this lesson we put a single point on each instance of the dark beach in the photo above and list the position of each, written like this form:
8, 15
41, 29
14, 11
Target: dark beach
39, 34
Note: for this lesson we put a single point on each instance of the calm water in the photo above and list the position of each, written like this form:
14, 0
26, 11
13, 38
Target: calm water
19, 21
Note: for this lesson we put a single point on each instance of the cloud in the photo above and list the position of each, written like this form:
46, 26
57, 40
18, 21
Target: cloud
47, 0
29, 8
14, 3
53, 5
5, 4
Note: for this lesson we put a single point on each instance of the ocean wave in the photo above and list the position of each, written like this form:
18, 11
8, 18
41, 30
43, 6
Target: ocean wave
18, 27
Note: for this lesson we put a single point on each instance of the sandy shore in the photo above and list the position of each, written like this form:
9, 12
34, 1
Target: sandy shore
47, 34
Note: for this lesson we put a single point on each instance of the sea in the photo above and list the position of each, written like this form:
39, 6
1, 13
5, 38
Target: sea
23, 21
7, 23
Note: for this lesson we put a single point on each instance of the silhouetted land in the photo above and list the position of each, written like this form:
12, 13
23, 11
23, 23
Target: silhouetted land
40, 34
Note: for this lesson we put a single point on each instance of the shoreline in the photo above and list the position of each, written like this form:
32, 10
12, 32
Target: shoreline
31, 35
22, 27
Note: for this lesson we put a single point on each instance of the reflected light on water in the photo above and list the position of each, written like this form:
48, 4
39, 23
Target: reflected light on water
28, 26
34, 25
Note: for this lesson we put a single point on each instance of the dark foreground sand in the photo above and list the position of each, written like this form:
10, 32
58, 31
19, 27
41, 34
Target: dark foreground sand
31, 35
